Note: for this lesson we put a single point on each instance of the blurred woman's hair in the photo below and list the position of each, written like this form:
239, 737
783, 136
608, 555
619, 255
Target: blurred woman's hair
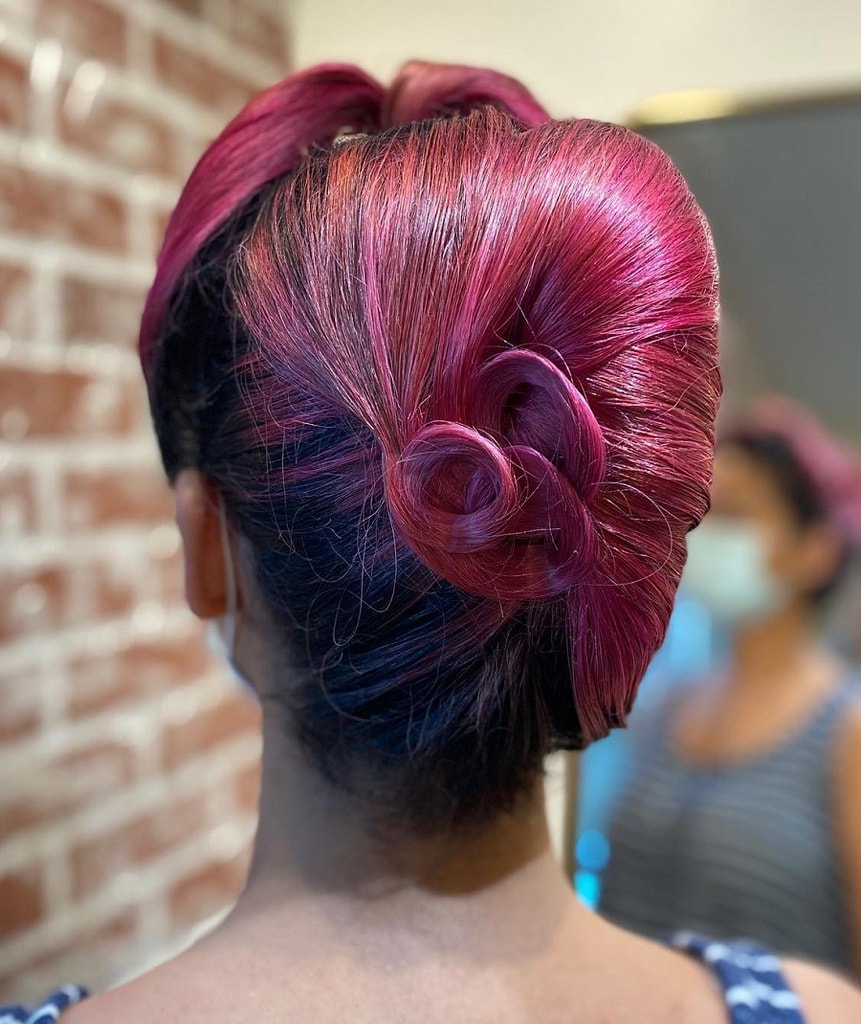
818, 475
451, 367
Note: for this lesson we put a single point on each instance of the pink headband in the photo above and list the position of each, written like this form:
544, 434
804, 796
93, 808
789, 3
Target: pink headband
832, 467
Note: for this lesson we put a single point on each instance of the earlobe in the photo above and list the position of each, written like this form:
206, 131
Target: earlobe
197, 517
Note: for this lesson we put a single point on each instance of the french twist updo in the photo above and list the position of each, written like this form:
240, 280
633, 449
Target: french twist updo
452, 367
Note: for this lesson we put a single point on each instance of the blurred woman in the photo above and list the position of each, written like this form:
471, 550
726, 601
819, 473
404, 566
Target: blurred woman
744, 810
434, 378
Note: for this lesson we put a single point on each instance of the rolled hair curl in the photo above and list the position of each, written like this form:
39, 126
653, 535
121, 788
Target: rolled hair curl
452, 367
504, 501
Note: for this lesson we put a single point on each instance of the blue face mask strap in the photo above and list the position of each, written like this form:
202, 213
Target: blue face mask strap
229, 618
222, 631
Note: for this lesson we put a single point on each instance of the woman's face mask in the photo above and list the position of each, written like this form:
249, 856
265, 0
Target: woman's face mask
727, 572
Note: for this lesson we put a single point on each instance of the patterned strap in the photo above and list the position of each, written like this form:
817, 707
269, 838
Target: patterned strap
48, 1011
755, 990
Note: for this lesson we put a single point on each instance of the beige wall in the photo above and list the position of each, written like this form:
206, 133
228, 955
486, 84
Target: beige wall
601, 58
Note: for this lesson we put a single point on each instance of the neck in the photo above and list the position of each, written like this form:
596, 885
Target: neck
315, 842
320, 864
775, 650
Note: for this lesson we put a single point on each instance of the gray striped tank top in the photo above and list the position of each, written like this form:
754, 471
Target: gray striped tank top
734, 851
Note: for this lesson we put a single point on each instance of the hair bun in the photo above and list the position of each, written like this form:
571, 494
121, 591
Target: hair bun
524, 399
500, 509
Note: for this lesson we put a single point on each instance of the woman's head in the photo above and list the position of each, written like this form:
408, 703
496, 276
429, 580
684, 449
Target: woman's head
785, 519
453, 377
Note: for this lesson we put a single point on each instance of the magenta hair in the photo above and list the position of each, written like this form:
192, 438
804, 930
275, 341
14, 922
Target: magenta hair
453, 367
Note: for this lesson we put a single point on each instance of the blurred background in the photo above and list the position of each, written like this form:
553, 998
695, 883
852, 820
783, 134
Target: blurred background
128, 757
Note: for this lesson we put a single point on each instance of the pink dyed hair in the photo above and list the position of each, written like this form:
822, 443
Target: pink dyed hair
273, 134
518, 318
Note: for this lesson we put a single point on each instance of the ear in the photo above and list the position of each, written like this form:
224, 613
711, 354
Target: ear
197, 516
820, 554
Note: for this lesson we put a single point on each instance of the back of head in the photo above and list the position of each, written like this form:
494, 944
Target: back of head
451, 366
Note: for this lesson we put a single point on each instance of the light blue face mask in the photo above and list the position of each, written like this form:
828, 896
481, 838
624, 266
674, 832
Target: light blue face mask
221, 633
727, 572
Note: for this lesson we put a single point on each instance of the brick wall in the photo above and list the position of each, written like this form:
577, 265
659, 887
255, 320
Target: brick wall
128, 759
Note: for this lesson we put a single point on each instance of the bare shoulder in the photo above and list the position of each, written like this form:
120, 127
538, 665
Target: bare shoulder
108, 1008
139, 999
96, 1010
82, 1013
827, 998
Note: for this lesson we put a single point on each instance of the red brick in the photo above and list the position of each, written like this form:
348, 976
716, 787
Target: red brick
19, 706
42, 801
46, 206
61, 404
99, 944
95, 861
93, 311
170, 583
95, 772
55, 787
41, 204
16, 310
108, 591
141, 671
19, 15
85, 27
119, 133
19, 514
32, 600
14, 92
104, 496
18, 814
160, 220
194, 76
192, 7
235, 715
21, 900
246, 788
210, 889
259, 25
55, 595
